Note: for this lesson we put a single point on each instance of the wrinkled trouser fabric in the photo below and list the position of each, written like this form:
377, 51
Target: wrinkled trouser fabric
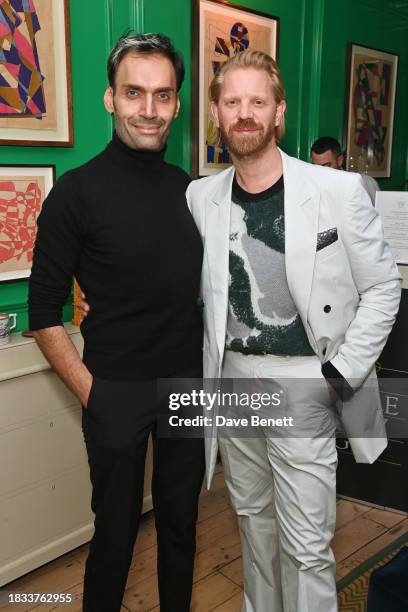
116, 426
283, 491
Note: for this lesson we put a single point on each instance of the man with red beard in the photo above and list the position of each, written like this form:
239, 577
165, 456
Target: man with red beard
300, 293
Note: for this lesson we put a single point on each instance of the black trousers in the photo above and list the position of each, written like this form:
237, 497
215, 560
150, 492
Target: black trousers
116, 426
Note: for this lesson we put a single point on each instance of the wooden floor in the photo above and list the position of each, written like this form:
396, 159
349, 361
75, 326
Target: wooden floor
361, 531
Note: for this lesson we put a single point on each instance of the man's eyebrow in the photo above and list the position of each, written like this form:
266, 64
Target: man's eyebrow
140, 88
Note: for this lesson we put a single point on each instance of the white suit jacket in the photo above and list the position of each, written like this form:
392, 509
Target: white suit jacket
355, 275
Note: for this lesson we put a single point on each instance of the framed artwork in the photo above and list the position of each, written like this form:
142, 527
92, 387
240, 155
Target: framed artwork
219, 31
23, 190
370, 110
35, 73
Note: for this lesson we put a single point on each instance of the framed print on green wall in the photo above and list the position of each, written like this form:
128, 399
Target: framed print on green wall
370, 110
219, 31
35, 73
23, 190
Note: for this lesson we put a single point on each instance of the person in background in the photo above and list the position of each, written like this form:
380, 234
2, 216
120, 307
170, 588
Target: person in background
121, 226
300, 292
326, 151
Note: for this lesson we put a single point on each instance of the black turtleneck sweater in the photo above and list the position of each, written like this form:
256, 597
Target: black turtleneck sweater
120, 225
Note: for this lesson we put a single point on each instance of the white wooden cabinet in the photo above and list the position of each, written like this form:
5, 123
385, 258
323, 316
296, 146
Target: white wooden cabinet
45, 490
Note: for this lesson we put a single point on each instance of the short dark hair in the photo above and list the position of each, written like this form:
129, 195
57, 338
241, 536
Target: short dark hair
147, 44
326, 143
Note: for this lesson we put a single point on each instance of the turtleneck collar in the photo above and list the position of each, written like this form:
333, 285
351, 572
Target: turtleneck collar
124, 155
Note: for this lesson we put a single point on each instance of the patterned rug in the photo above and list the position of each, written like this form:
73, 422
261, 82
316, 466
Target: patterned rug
352, 589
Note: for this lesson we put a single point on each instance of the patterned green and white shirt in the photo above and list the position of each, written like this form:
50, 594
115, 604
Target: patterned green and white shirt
262, 317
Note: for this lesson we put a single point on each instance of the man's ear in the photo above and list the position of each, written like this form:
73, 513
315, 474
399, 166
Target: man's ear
176, 114
214, 112
108, 99
280, 111
340, 161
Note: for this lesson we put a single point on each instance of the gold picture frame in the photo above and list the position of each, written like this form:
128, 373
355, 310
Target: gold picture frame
372, 79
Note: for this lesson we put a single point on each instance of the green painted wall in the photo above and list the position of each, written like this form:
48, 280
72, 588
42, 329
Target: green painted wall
312, 55
374, 25
94, 25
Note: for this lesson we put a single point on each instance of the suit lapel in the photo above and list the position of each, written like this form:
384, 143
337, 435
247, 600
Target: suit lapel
217, 248
301, 227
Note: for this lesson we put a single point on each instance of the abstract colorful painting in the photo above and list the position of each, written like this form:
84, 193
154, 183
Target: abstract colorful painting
35, 88
21, 80
223, 31
22, 193
371, 110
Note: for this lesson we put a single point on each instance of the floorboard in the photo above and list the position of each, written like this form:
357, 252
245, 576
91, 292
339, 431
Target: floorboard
361, 531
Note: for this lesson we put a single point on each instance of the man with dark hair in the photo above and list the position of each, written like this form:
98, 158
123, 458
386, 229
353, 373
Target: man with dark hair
147, 44
326, 151
121, 226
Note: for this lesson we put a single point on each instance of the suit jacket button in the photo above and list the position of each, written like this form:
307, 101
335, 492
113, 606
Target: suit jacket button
327, 308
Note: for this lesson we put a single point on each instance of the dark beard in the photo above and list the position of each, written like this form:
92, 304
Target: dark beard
246, 146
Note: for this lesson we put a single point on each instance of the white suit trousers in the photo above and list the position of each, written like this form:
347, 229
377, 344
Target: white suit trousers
283, 490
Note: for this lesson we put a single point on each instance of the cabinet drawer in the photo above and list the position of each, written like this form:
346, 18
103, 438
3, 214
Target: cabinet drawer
29, 398
37, 451
42, 514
